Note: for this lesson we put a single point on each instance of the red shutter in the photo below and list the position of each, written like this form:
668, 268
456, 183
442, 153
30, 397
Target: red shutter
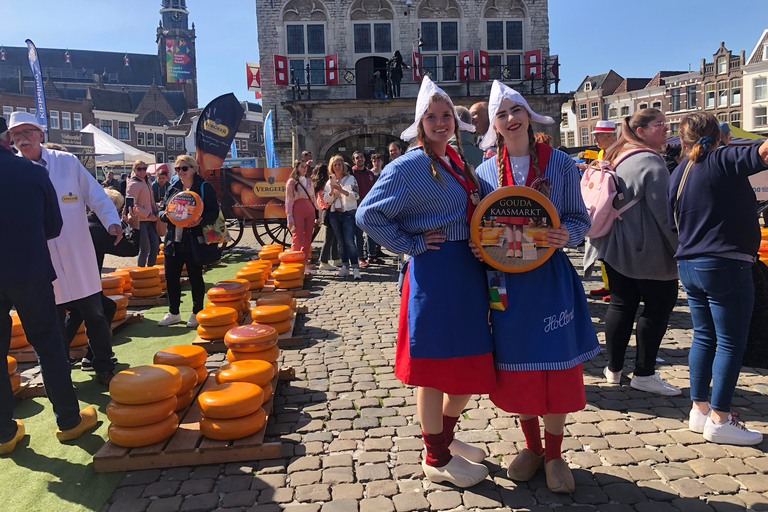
464, 59
533, 64
416, 67
282, 76
331, 69
483, 58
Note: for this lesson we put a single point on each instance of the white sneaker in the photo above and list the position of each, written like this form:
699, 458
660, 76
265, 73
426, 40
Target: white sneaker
169, 319
459, 472
192, 321
654, 384
469, 452
731, 432
611, 377
697, 420
356, 274
326, 266
311, 271
343, 272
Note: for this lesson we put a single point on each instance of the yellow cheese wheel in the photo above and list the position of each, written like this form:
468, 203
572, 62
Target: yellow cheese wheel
145, 384
16, 328
121, 300
230, 400
124, 272
281, 327
269, 254
257, 264
19, 341
202, 373
182, 355
226, 291
275, 367
212, 317
235, 428
292, 256
147, 292
269, 355
79, 340
112, 282
287, 285
245, 282
16, 382
287, 274
127, 289
296, 266
277, 247
143, 273
184, 399
216, 332
120, 313
125, 415
251, 338
12, 364
276, 298
272, 313
188, 379
267, 392
234, 303
251, 274
112, 291
133, 437
251, 370
145, 282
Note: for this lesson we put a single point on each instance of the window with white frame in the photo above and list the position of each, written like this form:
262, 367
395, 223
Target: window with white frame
571, 139
159, 140
564, 121
373, 37
723, 118
33, 111
106, 126
594, 109
674, 127
624, 111
141, 139
584, 131
77, 121
305, 45
440, 49
736, 91
761, 116
150, 139
53, 119
642, 106
170, 143
613, 112
583, 111
179, 143
237, 144
722, 65
690, 97
735, 119
504, 41
244, 144
760, 85
674, 99
21, 109
7, 111
159, 157
124, 130
709, 96
588, 86
656, 105
66, 121
722, 94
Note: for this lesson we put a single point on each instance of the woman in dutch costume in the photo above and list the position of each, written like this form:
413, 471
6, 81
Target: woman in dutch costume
421, 205
545, 332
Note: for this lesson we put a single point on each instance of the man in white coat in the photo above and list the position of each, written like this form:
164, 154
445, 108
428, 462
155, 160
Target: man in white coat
78, 283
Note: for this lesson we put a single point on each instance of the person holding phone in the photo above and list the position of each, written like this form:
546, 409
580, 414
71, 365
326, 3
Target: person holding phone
342, 193
300, 208
139, 192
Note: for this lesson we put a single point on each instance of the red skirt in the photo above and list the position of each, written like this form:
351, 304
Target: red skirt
540, 392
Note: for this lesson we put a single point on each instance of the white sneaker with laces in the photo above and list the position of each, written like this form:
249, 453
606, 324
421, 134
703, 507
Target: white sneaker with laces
731, 432
192, 321
343, 272
460, 472
170, 319
356, 274
611, 377
697, 420
654, 384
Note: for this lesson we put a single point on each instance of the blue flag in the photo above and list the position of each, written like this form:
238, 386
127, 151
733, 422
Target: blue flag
233, 149
34, 63
269, 142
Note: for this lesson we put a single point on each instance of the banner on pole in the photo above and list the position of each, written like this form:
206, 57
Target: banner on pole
34, 63
269, 142
216, 130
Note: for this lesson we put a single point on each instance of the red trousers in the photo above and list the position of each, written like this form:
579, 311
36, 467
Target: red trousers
304, 218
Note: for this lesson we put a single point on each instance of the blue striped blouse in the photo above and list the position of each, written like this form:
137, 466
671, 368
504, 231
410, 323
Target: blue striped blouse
406, 202
565, 193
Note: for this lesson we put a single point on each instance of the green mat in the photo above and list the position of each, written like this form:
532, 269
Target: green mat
42, 474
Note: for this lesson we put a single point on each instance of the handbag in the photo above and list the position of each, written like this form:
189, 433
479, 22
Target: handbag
756, 352
202, 252
216, 233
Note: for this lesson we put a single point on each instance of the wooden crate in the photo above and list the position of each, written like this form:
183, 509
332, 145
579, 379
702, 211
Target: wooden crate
285, 340
158, 300
131, 318
188, 447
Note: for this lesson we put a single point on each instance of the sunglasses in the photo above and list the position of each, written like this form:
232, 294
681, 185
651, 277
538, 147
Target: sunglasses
141, 169
183, 168
25, 133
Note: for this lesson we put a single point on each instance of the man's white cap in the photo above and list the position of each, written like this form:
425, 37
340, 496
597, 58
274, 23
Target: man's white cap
19, 118
605, 127
500, 92
429, 89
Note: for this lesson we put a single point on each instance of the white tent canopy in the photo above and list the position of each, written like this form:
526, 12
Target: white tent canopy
110, 151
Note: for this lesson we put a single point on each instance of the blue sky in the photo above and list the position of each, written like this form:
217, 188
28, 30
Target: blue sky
635, 39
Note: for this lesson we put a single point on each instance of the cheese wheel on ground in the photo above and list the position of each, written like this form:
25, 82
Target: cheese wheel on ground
145, 384
12, 364
281, 327
287, 285
112, 282
16, 328
19, 341
120, 313
230, 400
188, 379
143, 272
133, 437
251, 338
112, 291
216, 316
276, 298
147, 292
121, 300
79, 340
270, 355
147, 282
292, 256
16, 382
202, 373
226, 291
184, 399
287, 274
235, 428
215, 332
272, 313
251, 370
125, 415
182, 355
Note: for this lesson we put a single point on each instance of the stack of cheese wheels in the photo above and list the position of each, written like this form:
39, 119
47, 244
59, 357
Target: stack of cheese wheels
215, 321
18, 338
231, 411
112, 285
277, 316
143, 404
230, 294
292, 257
146, 281
252, 342
254, 276
246, 304
288, 277
80, 338
15, 377
271, 254
125, 273
264, 266
191, 356
277, 298
161, 268
122, 306
254, 371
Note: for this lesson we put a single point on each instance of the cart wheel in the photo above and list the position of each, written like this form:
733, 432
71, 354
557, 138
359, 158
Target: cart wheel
236, 228
272, 231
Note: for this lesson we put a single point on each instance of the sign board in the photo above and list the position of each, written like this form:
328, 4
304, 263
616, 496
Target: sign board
178, 60
759, 183
77, 143
250, 192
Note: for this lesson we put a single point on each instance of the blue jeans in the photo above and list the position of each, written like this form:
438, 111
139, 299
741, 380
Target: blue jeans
721, 295
149, 244
343, 224
36, 306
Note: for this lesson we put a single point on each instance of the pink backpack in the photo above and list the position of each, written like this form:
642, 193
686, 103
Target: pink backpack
599, 188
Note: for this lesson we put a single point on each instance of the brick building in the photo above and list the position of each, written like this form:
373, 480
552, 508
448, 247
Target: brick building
755, 88
589, 103
721, 85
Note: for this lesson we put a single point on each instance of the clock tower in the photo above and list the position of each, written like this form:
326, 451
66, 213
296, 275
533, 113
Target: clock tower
176, 50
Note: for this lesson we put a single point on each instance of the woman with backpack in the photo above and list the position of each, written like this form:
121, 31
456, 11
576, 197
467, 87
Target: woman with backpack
638, 252
718, 243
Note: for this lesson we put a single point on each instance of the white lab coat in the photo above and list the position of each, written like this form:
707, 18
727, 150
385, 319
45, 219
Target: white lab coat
72, 252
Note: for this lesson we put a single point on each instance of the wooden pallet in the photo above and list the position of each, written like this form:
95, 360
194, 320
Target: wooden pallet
269, 288
158, 300
131, 318
285, 340
188, 447
31, 388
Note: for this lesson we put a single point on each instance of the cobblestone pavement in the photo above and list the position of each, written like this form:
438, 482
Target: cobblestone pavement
351, 439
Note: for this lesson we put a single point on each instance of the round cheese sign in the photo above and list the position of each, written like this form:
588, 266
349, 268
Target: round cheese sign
510, 227
184, 207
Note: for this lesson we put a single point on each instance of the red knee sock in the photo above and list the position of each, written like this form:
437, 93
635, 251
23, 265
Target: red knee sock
449, 423
437, 450
532, 435
553, 446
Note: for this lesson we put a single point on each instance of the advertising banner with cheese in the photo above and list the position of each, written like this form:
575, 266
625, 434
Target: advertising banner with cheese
250, 192
178, 60
216, 130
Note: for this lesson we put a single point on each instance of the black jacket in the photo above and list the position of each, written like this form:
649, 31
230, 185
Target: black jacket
210, 210
104, 243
